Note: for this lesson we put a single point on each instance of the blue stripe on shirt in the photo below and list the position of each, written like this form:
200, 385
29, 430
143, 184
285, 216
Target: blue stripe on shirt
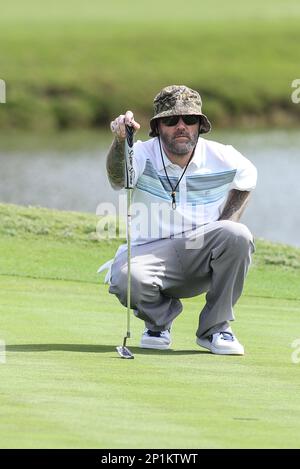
201, 188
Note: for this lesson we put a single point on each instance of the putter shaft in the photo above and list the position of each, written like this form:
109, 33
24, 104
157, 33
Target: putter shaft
129, 191
123, 351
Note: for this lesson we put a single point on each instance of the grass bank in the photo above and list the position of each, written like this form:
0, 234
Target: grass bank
63, 385
78, 66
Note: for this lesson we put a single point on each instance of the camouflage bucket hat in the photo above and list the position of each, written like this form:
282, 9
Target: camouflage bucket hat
178, 101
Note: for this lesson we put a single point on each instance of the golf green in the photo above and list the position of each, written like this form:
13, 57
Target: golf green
64, 386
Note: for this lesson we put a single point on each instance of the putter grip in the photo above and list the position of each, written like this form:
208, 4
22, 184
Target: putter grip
129, 135
129, 170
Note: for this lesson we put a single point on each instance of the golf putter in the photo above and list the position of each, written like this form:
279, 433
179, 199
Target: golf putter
122, 350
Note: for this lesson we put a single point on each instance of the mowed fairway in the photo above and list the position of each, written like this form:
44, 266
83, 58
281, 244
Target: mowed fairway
77, 65
64, 386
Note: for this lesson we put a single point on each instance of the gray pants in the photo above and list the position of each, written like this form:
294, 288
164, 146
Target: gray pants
165, 270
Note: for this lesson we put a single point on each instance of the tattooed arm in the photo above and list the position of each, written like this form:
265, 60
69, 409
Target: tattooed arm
115, 162
235, 205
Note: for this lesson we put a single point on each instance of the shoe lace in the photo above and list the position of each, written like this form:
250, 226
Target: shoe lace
155, 333
227, 336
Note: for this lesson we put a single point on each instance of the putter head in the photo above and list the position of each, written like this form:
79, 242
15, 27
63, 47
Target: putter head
124, 352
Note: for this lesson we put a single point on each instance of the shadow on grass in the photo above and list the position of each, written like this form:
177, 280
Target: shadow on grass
85, 348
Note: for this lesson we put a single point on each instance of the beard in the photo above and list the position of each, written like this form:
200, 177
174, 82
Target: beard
178, 147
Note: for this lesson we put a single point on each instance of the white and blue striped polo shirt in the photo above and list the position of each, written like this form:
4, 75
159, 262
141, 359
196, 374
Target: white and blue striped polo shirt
200, 197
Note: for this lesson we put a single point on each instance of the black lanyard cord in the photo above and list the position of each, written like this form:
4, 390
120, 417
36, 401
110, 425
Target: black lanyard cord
173, 193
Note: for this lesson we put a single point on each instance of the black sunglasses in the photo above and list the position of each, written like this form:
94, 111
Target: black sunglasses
170, 121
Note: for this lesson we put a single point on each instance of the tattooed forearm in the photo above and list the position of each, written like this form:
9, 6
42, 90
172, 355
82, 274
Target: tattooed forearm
115, 164
235, 205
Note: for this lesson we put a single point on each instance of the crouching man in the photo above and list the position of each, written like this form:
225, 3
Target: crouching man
195, 244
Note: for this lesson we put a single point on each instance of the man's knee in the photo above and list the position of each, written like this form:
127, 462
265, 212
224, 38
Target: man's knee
142, 288
238, 235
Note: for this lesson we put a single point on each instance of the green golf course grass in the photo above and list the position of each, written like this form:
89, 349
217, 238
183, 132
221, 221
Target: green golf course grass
77, 65
64, 386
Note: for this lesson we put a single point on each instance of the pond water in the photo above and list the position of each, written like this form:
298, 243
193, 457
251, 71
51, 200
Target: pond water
75, 179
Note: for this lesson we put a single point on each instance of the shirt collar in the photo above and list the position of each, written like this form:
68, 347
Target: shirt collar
196, 160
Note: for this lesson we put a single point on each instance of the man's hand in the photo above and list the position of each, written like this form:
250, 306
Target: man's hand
115, 162
118, 125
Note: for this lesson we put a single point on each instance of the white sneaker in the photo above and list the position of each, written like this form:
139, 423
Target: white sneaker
222, 343
156, 340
